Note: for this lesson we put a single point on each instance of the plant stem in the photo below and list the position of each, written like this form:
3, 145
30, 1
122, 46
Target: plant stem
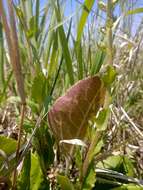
98, 134
109, 24
89, 155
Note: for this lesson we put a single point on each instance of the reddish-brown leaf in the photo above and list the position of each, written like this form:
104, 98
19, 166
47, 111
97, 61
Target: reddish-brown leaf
68, 117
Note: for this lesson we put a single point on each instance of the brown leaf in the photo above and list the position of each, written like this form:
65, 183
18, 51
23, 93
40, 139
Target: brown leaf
68, 117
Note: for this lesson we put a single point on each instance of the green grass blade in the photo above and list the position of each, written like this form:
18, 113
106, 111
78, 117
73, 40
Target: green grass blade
79, 60
54, 55
60, 65
24, 177
1, 57
66, 54
50, 39
85, 13
99, 59
37, 19
42, 31
64, 44
135, 11
86, 10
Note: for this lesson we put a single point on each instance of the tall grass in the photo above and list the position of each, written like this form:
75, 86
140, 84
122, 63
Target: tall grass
44, 51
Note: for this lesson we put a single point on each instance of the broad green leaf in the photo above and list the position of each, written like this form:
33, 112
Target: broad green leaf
37, 180
7, 148
102, 119
98, 147
39, 88
111, 162
65, 183
88, 4
135, 11
94, 147
94, 151
128, 187
109, 76
89, 179
118, 163
24, 178
78, 157
128, 166
7, 145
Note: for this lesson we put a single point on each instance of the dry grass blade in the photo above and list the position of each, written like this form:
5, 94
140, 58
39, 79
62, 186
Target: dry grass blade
15, 54
137, 130
12, 41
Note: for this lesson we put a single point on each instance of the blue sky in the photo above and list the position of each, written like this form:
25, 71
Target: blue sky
71, 6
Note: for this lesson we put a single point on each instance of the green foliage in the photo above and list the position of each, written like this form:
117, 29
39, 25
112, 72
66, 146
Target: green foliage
24, 178
39, 88
31, 176
37, 180
111, 162
32, 30
129, 187
87, 6
8, 146
135, 11
90, 179
2, 78
28, 126
85, 12
102, 119
109, 76
65, 182
118, 163
7, 158
43, 144
64, 45
55, 50
99, 60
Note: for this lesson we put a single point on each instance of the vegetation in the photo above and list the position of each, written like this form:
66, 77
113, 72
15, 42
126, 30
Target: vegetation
71, 95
